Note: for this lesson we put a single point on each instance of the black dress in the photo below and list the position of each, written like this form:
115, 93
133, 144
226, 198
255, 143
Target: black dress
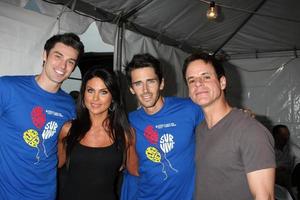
92, 173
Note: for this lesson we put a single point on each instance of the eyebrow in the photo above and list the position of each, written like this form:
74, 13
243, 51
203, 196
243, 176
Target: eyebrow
149, 79
202, 74
102, 89
57, 52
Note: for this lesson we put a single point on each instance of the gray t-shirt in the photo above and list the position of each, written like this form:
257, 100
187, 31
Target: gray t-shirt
235, 146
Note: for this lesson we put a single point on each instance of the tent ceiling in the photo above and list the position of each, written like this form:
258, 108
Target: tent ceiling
245, 27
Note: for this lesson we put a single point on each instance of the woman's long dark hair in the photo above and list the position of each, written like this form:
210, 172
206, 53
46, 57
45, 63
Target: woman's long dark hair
117, 122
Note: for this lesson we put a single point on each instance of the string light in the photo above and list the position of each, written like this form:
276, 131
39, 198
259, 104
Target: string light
212, 11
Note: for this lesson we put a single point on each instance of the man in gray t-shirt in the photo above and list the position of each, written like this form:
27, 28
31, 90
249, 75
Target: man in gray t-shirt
235, 154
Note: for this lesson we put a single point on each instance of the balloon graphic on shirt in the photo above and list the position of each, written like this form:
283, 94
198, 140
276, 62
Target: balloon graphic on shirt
151, 135
158, 152
38, 117
31, 137
153, 154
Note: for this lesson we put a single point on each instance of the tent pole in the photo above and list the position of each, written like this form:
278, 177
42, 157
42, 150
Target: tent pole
118, 63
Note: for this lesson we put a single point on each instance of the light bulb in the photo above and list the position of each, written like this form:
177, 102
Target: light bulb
212, 11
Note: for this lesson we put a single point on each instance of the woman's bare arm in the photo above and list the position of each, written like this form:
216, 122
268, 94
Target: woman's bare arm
61, 151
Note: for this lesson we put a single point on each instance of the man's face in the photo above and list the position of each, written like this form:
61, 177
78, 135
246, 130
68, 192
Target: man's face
59, 63
203, 84
145, 85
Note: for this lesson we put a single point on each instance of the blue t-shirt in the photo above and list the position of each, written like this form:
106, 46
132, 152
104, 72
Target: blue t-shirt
165, 143
30, 121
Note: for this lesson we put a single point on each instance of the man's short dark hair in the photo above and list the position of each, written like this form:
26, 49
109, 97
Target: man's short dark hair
207, 58
68, 39
143, 60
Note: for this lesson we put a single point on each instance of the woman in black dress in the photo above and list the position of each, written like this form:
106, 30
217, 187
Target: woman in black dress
95, 146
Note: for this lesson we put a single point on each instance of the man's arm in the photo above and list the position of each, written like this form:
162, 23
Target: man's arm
261, 183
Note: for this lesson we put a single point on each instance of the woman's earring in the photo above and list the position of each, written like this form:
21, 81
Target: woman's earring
112, 106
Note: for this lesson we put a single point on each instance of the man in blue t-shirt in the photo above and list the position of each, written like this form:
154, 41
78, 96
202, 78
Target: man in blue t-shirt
32, 111
165, 140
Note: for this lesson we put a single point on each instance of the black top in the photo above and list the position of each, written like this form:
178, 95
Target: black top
93, 173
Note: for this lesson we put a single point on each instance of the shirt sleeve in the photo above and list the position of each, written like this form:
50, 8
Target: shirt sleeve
257, 147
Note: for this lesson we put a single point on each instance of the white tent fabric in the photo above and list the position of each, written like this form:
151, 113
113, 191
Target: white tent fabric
23, 34
68, 20
268, 86
20, 3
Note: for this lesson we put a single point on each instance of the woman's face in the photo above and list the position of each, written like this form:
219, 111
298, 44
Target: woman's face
97, 97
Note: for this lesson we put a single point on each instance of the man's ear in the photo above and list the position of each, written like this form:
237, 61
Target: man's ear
162, 84
223, 82
44, 56
131, 90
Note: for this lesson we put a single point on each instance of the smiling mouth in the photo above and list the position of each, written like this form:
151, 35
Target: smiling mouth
59, 72
201, 94
146, 96
95, 104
